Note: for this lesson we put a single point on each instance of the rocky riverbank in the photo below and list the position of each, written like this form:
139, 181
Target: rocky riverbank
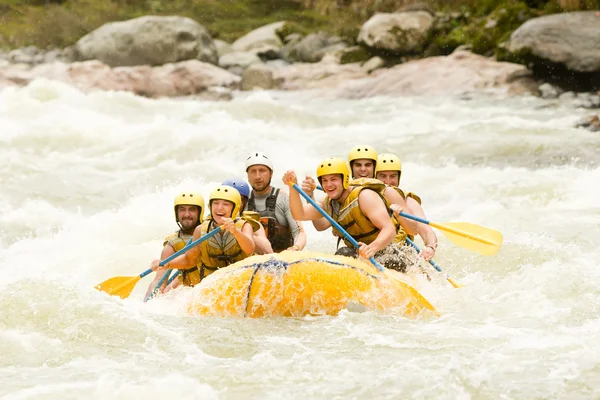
392, 54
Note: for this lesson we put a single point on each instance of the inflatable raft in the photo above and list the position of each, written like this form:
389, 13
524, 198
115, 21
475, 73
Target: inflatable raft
301, 283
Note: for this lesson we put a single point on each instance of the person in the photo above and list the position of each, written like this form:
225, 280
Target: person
283, 231
233, 243
189, 210
363, 211
389, 171
362, 160
262, 244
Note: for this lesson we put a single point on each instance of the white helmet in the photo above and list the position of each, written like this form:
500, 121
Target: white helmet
258, 159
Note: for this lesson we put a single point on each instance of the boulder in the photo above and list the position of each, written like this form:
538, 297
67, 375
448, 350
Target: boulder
397, 33
150, 40
457, 73
561, 48
570, 39
262, 38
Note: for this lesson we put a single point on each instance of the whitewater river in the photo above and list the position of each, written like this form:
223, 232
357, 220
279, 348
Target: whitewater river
87, 188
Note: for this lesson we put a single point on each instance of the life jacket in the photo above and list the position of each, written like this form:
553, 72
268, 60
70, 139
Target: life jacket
405, 196
217, 252
349, 215
253, 218
279, 236
177, 240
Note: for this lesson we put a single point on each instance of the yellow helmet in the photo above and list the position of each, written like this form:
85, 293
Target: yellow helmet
363, 151
189, 199
388, 162
334, 165
227, 193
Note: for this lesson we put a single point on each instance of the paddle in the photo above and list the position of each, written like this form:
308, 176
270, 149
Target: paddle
123, 285
421, 301
482, 240
158, 285
163, 279
452, 281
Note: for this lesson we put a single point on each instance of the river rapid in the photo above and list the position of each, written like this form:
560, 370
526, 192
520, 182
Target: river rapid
88, 182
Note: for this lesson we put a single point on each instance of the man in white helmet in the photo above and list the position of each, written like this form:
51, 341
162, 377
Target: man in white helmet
283, 231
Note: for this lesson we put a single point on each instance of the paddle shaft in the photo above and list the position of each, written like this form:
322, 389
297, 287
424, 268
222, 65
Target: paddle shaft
419, 250
163, 279
335, 224
189, 246
447, 228
175, 275
177, 254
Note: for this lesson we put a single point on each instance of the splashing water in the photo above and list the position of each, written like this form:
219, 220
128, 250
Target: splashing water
87, 187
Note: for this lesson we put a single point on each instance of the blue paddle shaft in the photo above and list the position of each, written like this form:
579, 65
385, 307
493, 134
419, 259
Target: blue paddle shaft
189, 246
418, 219
335, 224
146, 272
419, 250
175, 275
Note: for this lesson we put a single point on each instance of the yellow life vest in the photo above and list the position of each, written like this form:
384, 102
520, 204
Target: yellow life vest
217, 252
349, 215
405, 196
414, 196
253, 218
177, 240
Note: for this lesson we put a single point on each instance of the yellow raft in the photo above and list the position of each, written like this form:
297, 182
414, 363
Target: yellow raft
301, 283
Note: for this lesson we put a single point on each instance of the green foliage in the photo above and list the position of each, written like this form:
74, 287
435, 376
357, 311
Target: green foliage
484, 34
483, 24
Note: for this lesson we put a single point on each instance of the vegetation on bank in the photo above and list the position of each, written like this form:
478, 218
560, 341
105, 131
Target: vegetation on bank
482, 24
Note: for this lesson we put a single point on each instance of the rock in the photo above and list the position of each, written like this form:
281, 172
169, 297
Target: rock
560, 48
258, 76
587, 100
238, 60
149, 40
548, 91
567, 96
313, 47
222, 47
321, 75
570, 39
258, 39
458, 73
373, 64
398, 33
353, 54
216, 93
292, 38
591, 122
170, 80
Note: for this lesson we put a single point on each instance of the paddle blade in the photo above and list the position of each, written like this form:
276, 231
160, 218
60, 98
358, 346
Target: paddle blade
482, 240
454, 283
121, 286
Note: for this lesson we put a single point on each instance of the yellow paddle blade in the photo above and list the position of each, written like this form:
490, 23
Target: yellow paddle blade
417, 302
483, 240
454, 283
119, 286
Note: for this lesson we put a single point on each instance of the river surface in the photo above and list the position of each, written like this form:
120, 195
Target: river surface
88, 182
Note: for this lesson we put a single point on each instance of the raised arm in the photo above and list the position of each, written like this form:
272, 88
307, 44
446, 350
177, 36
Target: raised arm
375, 209
243, 236
308, 186
300, 212
427, 234
411, 227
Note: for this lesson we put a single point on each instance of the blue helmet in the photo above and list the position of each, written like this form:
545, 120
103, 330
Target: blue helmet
240, 185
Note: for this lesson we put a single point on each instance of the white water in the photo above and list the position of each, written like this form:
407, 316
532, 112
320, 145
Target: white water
87, 189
